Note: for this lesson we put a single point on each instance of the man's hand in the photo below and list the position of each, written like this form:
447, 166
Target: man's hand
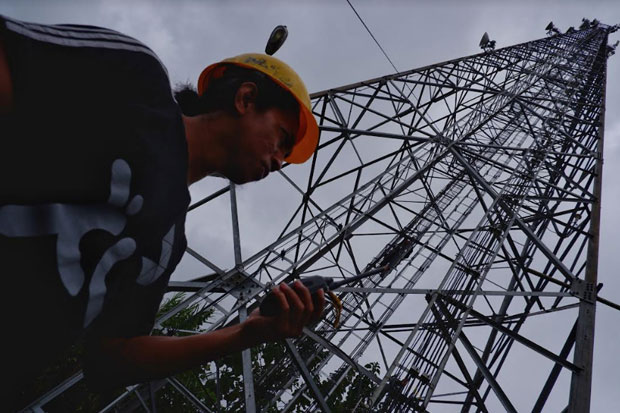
297, 309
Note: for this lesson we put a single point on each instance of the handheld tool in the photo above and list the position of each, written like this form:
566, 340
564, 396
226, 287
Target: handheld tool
270, 306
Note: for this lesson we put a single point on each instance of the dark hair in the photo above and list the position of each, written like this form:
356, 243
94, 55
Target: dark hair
220, 93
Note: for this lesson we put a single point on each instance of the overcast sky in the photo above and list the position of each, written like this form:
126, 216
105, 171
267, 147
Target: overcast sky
329, 47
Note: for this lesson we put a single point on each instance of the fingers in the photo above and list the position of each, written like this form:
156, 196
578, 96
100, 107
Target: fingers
295, 315
281, 298
297, 308
319, 300
306, 298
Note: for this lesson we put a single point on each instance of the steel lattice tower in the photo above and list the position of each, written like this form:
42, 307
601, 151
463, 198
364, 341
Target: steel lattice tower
477, 181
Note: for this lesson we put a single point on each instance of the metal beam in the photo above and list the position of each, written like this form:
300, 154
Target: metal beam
191, 397
305, 373
555, 372
517, 337
581, 382
423, 291
488, 376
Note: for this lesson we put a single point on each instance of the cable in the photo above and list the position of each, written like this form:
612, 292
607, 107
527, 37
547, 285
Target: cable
373, 36
405, 85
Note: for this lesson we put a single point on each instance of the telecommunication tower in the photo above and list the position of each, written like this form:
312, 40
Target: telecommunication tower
476, 182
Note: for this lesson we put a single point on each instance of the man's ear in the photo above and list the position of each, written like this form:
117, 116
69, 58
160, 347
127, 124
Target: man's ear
245, 97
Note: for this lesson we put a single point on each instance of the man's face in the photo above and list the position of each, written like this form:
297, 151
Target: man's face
265, 139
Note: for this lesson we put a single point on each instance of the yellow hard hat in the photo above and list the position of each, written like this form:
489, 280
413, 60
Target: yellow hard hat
281, 73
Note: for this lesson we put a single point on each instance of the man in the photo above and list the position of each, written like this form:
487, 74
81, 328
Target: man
96, 160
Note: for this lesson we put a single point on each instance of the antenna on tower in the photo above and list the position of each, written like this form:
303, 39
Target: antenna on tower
486, 44
611, 49
585, 23
551, 29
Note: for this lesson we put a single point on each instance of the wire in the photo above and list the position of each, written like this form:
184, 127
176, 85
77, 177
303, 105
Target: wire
405, 85
373, 36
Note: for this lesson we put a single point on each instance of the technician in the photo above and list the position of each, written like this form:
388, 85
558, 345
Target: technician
96, 159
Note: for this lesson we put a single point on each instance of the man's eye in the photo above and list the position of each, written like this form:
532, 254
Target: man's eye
286, 143
287, 151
